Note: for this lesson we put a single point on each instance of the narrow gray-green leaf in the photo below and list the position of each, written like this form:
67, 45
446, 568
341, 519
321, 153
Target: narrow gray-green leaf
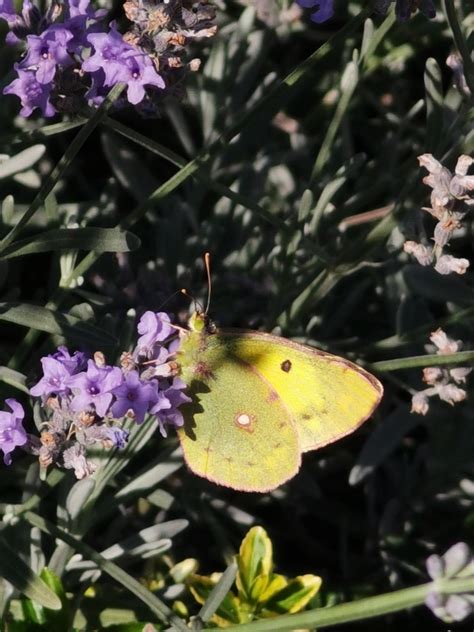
156, 472
78, 496
434, 103
20, 575
218, 593
160, 609
413, 362
97, 239
52, 322
22, 161
13, 378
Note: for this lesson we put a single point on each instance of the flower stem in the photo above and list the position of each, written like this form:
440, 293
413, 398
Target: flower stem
358, 610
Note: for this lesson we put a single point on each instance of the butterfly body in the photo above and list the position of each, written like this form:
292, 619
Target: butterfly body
259, 401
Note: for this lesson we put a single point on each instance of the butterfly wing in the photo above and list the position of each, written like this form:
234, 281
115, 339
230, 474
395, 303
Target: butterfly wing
238, 432
328, 396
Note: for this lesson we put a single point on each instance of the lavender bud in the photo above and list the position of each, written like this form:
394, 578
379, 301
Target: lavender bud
432, 374
419, 403
444, 344
459, 374
422, 254
435, 566
456, 559
99, 359
451, 394
447, 264
463, 164
457, 607
429, 162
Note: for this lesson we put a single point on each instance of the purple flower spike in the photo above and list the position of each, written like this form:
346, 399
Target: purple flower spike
134, 395
54, 380
12, 433
31, 92
94, 387
46, 51
153, 328
324, 12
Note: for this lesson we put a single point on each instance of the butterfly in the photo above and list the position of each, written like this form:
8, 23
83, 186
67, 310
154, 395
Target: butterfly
260, 401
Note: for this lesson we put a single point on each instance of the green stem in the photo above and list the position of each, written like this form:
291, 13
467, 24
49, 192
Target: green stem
63, 164
462, 357
160, 609
359, 610
461, 43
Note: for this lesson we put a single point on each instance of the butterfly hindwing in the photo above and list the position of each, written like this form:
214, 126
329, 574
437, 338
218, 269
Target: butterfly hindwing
328, 397
238, 432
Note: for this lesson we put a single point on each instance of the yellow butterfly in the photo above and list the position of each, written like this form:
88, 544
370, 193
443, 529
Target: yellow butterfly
259, 401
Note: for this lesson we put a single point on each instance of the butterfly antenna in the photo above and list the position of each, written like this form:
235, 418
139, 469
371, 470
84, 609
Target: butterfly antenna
192, 299
207, 263
167, 300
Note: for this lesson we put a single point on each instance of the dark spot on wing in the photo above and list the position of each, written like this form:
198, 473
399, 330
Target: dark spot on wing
306, 416
282, 424
250, 463
286, 366
229, 459
277, 445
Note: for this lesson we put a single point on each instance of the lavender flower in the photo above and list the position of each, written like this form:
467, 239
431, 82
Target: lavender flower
167, 410
46, 51
31, 93
110, 51
153, 328
54, 380
324, 11
134, 397
118, 437
12, 433
73, 363
94, 388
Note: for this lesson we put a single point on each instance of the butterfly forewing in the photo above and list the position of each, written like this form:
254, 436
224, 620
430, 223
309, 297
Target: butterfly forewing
328, 397
238, 432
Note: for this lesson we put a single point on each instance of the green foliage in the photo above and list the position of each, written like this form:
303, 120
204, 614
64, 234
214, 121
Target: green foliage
260, 593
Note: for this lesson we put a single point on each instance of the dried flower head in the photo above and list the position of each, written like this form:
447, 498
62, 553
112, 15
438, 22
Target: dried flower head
442, 383
451, 199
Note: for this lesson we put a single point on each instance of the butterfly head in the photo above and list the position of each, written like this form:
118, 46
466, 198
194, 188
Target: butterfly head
201, 323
